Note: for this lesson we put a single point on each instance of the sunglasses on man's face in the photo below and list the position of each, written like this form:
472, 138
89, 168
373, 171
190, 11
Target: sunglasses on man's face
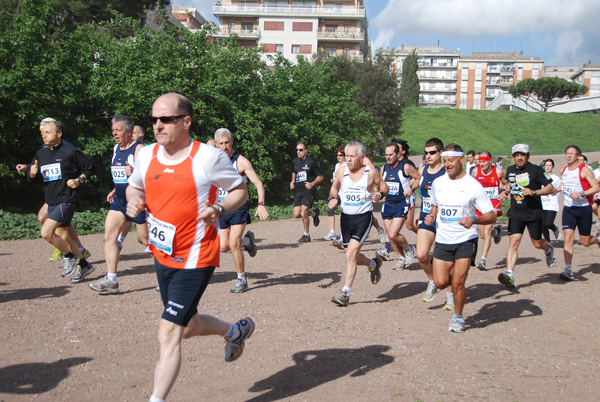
431, 152
165, 119
299, 150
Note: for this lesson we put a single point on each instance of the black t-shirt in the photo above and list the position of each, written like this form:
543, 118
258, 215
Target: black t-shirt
527, 208
306, 170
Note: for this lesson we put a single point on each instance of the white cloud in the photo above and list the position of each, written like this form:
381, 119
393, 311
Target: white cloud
573, 24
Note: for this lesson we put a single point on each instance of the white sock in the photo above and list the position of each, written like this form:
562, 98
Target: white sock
332, 231
509, 272
568, 267
347, 290
242, 276
233, 332
111, 277
120, 240
155, 399
245, 241
306, 234
483, 258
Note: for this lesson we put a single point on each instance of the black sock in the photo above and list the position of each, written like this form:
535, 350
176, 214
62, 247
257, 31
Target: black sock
69, 255
83, 263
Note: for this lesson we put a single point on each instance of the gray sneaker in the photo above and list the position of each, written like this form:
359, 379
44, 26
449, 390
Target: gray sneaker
449, 302
457, 324
430, 292
400, 265
69, 265
550, 258
381, 233
384, 254
481, 265
240, 286
557, 233
376, 272
251, 248
330, 236
82, 273
342, 298
304, 239
497, 237
409, 255
338, 242
105, 286
235, 347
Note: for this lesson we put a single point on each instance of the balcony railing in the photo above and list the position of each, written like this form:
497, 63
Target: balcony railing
242, 33
296, 11
356, 35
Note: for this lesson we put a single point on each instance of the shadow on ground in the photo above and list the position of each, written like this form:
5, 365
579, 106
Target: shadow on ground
315, 368
35, 378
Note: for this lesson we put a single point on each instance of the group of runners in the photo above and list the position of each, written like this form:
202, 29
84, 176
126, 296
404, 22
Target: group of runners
177, 189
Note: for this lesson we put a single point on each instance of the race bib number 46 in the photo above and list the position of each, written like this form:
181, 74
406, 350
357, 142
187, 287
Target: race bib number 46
161, 234
51, 172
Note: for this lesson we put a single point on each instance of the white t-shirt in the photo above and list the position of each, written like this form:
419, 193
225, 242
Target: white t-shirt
550, 202
455, 200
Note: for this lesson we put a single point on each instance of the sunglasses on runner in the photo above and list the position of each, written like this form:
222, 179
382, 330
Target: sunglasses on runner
430, 152
165, 119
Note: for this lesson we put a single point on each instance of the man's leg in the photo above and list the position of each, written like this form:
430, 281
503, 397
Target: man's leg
48, 233
569, 236
305, 213
410, 220
235, 245
485, 231
353, 259
115, 221
512, 253
459, 277
224, 239
397, 240
142, 230
425, 239
73, 235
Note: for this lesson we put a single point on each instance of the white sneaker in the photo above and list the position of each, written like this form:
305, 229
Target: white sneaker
430, 292
449, 302
409, 255
384, 254
381, 235
400, 265
330, 236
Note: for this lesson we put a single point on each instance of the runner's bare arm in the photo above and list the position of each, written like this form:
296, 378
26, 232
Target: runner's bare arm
245, 167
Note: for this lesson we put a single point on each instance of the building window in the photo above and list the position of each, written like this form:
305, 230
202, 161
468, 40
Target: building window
302, 26
279, 48
247, 27
231, 26
347, 28
296, 49
246, 46
269, 48
273, 25
330, 50
347, 51
331, 28
305, 49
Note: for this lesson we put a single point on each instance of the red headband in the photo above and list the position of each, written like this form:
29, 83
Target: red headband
485, 158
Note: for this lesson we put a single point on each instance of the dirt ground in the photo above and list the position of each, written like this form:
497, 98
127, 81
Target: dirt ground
63, 341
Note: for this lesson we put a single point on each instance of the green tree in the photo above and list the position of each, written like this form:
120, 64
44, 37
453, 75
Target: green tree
409, 87
542, 91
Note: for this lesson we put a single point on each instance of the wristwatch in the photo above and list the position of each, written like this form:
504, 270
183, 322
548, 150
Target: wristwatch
261, 203
582, 193
81, 179
220, 209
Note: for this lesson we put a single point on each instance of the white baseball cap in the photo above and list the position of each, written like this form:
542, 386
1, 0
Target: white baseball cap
523, 148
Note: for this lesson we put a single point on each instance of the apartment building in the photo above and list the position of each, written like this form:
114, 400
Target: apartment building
483, 76
296, 27
189, 17
437, 73
588, 75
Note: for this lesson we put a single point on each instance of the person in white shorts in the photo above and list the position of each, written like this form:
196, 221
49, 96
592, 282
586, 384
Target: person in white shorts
454, 198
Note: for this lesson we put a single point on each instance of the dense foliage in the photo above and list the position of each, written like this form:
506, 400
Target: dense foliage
410, 89
544, 90
86, 76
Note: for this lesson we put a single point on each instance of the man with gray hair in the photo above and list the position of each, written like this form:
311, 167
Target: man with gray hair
233, 224
124, 153
353, 184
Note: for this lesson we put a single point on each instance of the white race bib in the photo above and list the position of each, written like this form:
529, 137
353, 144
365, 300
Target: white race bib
394, 187
221, 194
51, 172
118, 174
301, 176
354, 198
450, 213
426, 205
567, 190
161, 234
491, 192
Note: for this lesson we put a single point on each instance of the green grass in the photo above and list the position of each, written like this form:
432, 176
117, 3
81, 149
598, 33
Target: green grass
497, 131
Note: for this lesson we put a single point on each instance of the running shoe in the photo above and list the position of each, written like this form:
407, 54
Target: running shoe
56, 255
304, 239
69, 266
550, 258
82, 273
567, 275
430, 292
240, 286
497, 237
316, 219
381, 233
339, 243
342, 298
449, 302
330, 236
86, 254
250, 248
481, 265
384, 254
105, 286
400, 265
235, 347
376, 272
409, 255
598, 237
507, 280
557, 233
457, 324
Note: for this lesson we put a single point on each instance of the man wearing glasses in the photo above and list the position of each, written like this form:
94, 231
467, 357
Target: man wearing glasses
177, 179
306, 176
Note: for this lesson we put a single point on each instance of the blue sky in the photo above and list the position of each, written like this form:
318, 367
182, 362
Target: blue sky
561, 32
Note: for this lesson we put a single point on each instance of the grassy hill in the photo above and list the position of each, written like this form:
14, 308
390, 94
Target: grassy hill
497, 131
